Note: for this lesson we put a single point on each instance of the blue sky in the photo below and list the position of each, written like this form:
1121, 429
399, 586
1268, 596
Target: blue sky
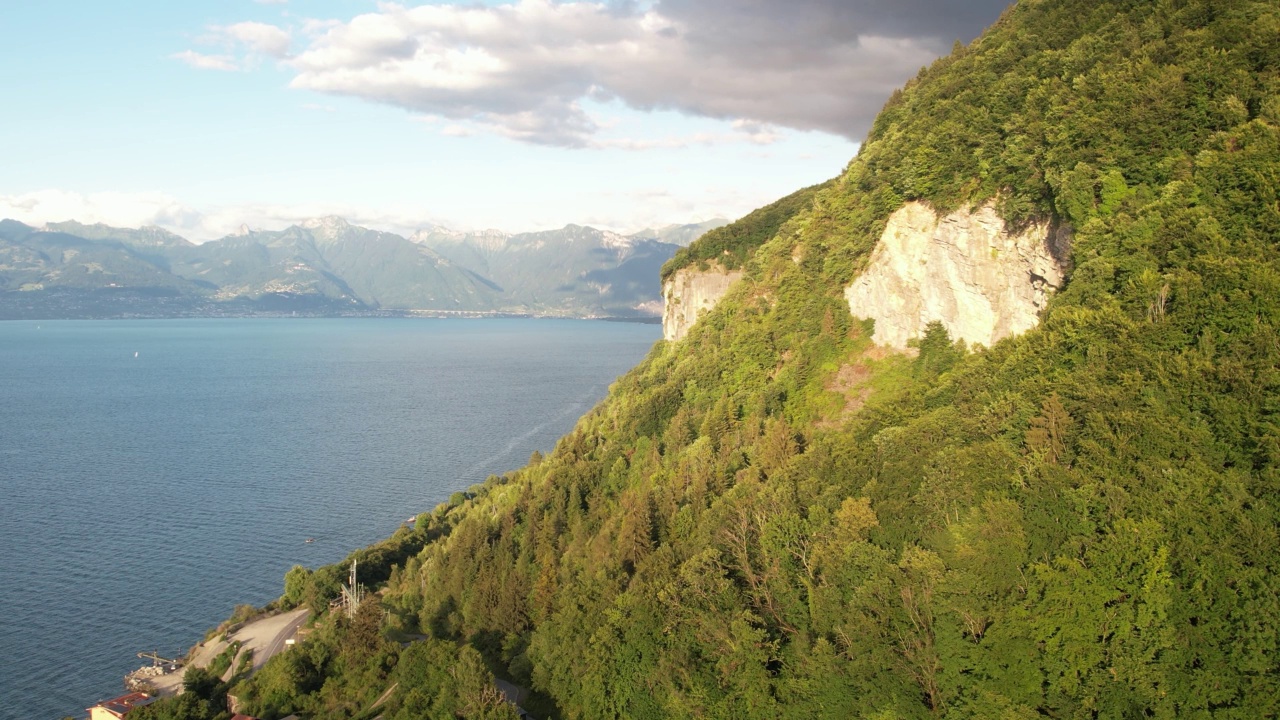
518, 116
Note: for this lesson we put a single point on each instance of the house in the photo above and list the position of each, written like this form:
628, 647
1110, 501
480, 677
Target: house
117, 708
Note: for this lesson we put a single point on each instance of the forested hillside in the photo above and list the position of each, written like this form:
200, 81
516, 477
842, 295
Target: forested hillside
733, 244
774, 518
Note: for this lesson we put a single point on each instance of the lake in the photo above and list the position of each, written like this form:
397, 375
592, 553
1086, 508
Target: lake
156, 473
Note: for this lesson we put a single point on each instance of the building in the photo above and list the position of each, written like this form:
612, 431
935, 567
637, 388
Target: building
117, 708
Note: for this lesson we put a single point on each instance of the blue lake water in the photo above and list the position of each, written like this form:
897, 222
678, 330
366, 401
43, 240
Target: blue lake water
153, 474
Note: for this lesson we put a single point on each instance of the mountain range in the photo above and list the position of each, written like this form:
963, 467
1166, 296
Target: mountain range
329, 266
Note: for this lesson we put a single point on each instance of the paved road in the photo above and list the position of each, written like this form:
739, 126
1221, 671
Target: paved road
266, 637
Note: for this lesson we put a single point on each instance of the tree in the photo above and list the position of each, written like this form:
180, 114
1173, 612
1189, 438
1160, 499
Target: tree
478, 696
1048, 432
364, 634
937, 353
296, 582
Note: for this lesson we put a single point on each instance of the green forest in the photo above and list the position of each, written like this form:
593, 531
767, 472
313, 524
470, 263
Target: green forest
774, 518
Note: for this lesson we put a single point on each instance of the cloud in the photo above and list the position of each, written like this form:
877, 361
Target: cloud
522, 70
808, 26
113, 208
122, 209
758, 132
207, 62
611, 208
243, 45
258, 37
314, 26
219, 222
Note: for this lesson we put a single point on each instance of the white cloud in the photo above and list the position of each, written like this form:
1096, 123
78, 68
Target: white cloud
113, 208
314, 26
258, 37
521, 70
758, 132
628, 210
222, 221
207, 62
133, 210
243, 45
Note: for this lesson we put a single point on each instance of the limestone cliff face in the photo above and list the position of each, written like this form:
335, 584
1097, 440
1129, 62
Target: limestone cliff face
688, 293
966, 269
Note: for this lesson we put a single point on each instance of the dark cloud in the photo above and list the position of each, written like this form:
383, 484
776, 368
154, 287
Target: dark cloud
828, 22
522, 69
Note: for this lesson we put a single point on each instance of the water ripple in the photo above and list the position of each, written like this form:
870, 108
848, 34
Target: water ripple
145, 497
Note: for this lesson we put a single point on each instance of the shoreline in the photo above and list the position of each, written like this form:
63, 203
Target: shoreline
255, 640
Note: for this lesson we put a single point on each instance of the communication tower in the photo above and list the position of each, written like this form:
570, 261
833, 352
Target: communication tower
352, 592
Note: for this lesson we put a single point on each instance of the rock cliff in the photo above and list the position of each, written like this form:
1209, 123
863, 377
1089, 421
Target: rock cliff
689, 292
983, 281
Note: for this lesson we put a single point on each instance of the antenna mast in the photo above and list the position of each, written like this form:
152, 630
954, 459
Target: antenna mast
352, 593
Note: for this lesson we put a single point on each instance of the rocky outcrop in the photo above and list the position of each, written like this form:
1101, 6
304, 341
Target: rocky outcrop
688, 293
983, 281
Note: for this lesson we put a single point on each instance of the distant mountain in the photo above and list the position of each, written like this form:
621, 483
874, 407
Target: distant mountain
334, 259
576, 270
46, 274
149, 236
33, 260
328, 266
682, 235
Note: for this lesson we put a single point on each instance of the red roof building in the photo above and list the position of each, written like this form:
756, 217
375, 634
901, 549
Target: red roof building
117, 708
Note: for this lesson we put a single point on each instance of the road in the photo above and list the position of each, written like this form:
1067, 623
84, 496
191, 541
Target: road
266, 637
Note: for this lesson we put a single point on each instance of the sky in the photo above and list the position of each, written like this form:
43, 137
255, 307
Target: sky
521, 115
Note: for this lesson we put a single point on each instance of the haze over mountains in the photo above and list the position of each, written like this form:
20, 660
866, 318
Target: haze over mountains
329, 266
